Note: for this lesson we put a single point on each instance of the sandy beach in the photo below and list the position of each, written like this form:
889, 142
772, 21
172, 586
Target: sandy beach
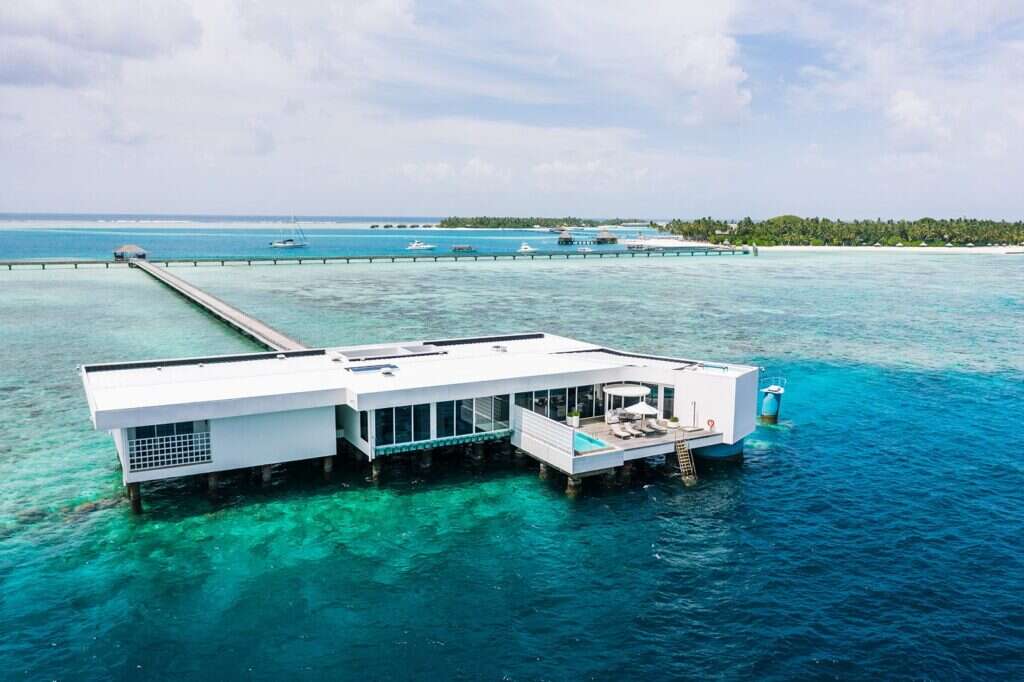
1001, 250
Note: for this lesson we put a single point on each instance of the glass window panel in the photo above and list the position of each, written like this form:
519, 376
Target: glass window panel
445, 419
556, 405
540, 402
403, 424
484, 408
570, 400
463, 417
652, 397
525, 400
501, 412
364, 425
668, 403
165, 430
145, 431
421, 422
182, 428
599, 400
585, 400
384, 426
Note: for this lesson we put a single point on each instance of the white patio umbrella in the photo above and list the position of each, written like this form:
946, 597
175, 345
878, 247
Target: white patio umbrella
642, 409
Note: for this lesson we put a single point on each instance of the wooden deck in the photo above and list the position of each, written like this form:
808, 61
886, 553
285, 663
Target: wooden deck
260, 332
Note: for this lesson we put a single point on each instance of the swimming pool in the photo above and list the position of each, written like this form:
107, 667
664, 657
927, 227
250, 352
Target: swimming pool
586, 443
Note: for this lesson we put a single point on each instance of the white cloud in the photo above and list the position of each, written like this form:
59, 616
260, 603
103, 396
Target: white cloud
916, 120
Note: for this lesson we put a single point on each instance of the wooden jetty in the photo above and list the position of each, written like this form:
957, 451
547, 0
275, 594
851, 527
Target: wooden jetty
392, 258
260, 332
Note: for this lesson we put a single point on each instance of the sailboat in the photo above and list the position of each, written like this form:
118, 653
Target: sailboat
297, 240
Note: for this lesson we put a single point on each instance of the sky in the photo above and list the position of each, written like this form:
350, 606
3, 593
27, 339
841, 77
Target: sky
600, 109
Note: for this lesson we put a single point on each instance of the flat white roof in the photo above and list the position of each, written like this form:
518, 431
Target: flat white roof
340, 375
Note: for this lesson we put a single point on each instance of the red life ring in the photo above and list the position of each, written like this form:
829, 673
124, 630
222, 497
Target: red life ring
711, 424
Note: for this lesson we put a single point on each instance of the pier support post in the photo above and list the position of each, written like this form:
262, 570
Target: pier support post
519, 455
328, 468
426, 460
573, 486
626, 473
266, 475
544, 473
135, 497
476, 454
211, 483
376, 469
609, 480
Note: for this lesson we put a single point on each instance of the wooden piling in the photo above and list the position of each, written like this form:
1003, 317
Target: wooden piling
543, 473
573, 486
135, 497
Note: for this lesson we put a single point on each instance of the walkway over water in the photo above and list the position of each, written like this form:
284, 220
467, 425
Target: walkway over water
417, 257
258, 331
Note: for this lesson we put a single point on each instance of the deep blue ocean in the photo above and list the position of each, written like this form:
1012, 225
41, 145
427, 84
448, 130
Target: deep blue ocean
876, 533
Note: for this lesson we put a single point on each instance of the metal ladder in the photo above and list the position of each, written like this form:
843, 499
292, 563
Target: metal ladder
685, 459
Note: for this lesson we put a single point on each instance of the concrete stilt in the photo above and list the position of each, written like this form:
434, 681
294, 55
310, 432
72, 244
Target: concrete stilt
266, 475
211, 483
328, 468
544, 472
626, 473
426, 460
135, 497
476, 454
376, 469
573, 486
610, 480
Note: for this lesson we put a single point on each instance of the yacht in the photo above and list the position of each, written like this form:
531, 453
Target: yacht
417, 245
585, 249
526, 248
296, 241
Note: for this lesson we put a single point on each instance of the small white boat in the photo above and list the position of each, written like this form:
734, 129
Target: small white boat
585, 249
526, 248
417, 245
296, 241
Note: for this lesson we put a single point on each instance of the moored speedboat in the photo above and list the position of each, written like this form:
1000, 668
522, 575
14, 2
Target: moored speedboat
417, 245
525, 248
585, 249
296, 241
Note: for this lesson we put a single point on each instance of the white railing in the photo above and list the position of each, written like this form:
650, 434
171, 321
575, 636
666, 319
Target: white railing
554, 443
169, 451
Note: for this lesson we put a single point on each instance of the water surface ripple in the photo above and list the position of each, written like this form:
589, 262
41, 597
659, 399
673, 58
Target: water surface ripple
875, 533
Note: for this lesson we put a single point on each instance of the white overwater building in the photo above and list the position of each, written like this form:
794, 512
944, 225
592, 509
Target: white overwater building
574, 406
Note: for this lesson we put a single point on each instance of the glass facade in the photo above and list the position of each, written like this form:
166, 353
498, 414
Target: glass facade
484, 412
585, 401
364, 426
501, 412
463, 417
384, 422
525, 400
421, 421
540, 402
445, 419
652, 397
403, 424
556, 404
668, 402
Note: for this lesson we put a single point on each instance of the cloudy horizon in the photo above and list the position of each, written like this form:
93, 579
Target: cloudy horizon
395, 107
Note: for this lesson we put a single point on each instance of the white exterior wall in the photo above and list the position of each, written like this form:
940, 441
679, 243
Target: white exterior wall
254, 440
350, 422
731, 401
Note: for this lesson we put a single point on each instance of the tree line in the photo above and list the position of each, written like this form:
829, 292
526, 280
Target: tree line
791, 229
495, 222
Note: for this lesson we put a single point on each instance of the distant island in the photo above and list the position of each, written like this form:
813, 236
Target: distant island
797, 231
498, 222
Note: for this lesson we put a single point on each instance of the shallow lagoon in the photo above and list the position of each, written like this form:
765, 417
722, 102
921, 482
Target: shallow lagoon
876, 532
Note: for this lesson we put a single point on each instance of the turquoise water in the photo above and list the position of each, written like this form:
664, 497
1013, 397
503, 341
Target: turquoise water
583, 442
88, 238
875, 533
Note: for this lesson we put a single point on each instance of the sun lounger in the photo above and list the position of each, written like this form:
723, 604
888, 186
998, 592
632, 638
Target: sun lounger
656, 427
641, 426
619, 431
633, 430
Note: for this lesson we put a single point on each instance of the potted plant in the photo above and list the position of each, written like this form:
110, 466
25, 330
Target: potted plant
673, 422
573, 418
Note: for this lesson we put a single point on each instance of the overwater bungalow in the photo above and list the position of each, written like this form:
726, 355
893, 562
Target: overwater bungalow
129, 251
576, 407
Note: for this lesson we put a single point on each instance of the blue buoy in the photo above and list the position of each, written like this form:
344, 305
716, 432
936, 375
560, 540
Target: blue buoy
771, 402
